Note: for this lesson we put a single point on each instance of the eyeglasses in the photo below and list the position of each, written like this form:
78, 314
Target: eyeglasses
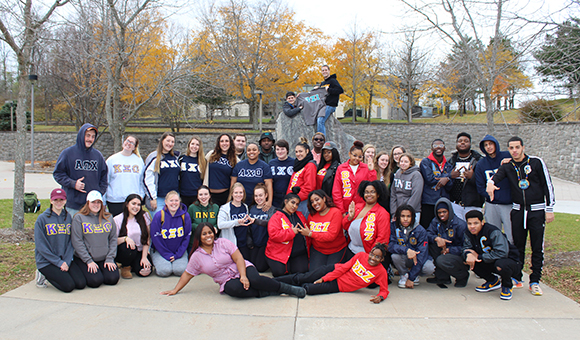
438, 145
130, 142
370, 192
377, 257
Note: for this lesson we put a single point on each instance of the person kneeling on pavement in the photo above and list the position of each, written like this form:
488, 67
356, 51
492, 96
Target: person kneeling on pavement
408, 246
487, 251
362, 270
445, 234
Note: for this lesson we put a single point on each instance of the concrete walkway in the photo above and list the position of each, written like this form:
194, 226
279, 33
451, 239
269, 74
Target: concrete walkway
135, 309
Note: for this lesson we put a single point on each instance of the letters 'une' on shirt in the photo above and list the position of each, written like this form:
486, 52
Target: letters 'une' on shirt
219, 265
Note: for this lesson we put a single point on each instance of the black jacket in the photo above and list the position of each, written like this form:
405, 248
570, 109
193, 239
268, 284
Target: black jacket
334, 90
540, 194
290, 110
328, 180
490, 244
469, 195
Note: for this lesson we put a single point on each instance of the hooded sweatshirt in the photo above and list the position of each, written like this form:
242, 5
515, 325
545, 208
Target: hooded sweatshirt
407, 188
76, 162
94, 240
171, 237
486, 168
52, 239
452, 230
334, 90
412, 237
431, 171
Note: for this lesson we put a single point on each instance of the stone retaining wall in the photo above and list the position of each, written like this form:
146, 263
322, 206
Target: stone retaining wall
558, 144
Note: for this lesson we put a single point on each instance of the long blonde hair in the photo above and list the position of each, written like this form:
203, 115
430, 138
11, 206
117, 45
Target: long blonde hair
201, 161
160, 149
364, 150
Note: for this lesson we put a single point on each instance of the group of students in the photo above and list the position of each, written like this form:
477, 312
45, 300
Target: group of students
319, 225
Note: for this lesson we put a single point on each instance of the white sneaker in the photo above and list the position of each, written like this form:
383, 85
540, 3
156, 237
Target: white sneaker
416, 281
40, 280
403, 280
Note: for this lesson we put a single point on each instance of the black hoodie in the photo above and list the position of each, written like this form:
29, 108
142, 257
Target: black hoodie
334, 90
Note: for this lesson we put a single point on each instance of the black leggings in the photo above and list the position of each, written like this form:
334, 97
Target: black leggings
188, 200
220, 198
115, 208
103, 275
257, 256
298, 264
318, 259
130, 257
64, 281
258, 284
306, 280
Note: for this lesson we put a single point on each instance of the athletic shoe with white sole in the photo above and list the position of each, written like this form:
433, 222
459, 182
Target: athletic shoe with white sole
40, 280
535, 289
517, 284
489, 286
402, 280
506, 293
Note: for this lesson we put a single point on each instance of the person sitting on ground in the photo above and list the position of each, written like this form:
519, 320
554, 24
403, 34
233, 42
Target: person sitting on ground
223, 262
445, 234
362, 270
170, 233
487, 251
287, 249
408, 246
133, 238
288, 107
54, 250
94, 238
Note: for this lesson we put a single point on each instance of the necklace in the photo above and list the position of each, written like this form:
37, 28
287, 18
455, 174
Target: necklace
523, 183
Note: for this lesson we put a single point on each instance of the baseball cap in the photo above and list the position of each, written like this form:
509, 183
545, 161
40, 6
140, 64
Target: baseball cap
267, 135
94, 196
329, 146
58, 193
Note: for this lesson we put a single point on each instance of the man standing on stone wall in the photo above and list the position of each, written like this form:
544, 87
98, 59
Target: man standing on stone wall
334, 90
81, 168
463, 193
533, 196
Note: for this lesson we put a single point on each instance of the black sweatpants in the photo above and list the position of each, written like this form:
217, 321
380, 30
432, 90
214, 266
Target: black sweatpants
449, 259
427, 214
318, 259
257, 256
505, 268
535, 225
103, 275
258, 285
64, 281
130, 257
298, 264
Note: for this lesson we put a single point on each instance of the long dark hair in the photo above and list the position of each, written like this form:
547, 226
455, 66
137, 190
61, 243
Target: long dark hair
139, 218
335, 158
320, 193
197, 235
402, 208
217, 151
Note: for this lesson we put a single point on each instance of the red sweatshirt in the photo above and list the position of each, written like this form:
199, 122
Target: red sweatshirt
375, 226
320, 175
327, 236
358, 273
279, 246
305, 179
346, 184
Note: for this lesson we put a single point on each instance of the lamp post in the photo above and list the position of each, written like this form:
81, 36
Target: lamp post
260, 92
11, 102
33, 78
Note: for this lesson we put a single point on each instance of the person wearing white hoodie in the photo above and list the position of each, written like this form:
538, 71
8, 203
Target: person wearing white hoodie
407, 185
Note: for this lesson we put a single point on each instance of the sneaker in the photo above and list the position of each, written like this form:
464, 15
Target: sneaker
535, 289
517, 284
489, 286
506, 293
40, 280
416, 281
403, 280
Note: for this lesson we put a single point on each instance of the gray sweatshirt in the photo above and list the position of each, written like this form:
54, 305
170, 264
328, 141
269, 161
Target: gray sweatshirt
52, 239
94, 241
407, 188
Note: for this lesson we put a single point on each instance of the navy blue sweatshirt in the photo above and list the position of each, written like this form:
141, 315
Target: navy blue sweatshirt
76, 162
486, 168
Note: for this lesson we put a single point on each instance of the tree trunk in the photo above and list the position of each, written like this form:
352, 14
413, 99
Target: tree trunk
19, 155
489, 113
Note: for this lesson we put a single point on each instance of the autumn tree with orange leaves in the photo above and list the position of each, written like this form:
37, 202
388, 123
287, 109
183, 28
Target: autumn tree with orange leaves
258, 46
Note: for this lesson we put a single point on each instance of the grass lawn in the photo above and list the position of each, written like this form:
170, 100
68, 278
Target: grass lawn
561, 268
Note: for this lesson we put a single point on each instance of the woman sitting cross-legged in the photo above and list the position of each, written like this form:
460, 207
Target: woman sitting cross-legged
359, 272
222, 261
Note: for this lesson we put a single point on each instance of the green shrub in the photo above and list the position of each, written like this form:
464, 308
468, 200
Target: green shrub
539, 111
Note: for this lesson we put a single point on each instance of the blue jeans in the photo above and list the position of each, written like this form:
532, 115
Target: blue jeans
320, 127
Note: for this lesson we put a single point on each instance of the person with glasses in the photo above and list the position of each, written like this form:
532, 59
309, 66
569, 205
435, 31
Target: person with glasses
125, 175
437, 182
362, 270
396, 153
317, 142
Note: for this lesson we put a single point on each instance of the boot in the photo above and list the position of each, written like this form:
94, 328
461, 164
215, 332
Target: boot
292, 290
126, 272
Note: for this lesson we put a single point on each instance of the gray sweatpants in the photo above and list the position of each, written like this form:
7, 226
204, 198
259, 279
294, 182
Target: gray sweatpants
498, 215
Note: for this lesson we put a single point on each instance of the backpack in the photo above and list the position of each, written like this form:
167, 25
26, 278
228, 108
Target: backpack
31, 202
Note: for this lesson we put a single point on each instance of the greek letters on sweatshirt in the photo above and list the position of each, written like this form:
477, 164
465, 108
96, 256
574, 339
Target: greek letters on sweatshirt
281, 173
76, 162
487, 167
313, 105
52, 239
159, 184
346, 184
327, 236
125, 177
94, 240
374, 227
407, 188
251, 174
190, 177
358, 273
200, 214
171, 237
